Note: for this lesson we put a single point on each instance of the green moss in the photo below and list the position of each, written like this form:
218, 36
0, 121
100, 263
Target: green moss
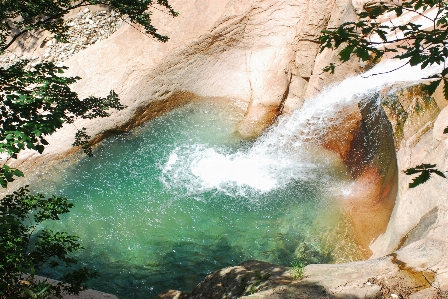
402, 103
393, 106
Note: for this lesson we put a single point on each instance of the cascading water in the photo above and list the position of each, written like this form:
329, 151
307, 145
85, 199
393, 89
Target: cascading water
285, 153
168, 203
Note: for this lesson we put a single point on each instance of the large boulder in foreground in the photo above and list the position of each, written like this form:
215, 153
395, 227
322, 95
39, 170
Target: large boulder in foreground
374, 279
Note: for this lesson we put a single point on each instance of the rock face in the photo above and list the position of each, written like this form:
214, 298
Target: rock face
410, 258
261, 55
419, 221
374, 279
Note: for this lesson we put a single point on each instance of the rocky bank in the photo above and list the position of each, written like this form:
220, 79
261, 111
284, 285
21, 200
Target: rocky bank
262, 56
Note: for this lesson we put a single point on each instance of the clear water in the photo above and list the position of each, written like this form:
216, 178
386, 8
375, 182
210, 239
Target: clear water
165, 205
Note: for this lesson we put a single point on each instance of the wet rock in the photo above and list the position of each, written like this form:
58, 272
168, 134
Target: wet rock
172, 294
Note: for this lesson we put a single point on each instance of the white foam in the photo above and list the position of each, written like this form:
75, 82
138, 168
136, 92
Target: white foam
280, 156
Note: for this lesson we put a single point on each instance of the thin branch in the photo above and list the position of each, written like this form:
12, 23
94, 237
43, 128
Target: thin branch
439, 10
135, 27
161, 10
395, 40
382, 73
63, 12
419, 13
13, 40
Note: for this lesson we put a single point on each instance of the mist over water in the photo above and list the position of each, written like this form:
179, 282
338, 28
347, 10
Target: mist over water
287, 152
166, 204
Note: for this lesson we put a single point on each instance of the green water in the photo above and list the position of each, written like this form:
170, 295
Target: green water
148, 224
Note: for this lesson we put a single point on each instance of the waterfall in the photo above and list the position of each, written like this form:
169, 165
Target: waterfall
289, 150
182, 194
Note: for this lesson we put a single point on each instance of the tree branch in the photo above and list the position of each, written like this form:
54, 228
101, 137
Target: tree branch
419, 13
382, 73
42, 22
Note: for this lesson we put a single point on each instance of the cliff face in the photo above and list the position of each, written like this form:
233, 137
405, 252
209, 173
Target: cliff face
259, 55
262, 56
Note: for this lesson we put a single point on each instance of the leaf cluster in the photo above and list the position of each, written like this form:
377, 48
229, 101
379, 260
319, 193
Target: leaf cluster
35, 102
7, 174
370, 38
424, 171
25, 249
20, 17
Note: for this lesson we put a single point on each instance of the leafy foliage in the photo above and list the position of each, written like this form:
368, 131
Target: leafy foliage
7, 174
425, 171
308, 253
35, 103
297, 269
26, 249
82, 140
20, 17
369, 38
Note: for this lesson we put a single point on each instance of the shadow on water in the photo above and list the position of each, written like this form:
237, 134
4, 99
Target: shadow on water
273, 229
180, 265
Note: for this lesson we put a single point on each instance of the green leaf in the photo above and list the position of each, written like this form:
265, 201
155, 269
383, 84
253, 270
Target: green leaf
411, 171
445, 88
438, 172
423, 177
3, 182
445, 131
330, 68
382, 34
18, 173
40, 148
362, 53
415, 59
431, 87
346, 53
425, 171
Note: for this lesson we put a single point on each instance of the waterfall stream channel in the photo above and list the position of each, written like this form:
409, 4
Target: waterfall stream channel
164, 205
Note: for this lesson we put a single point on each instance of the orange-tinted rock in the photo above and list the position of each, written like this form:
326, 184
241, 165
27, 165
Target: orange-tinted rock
256, 120
363, 139
369, 205
341, 138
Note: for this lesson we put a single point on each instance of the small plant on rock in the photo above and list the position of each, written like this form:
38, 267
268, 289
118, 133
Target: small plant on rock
298, 269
